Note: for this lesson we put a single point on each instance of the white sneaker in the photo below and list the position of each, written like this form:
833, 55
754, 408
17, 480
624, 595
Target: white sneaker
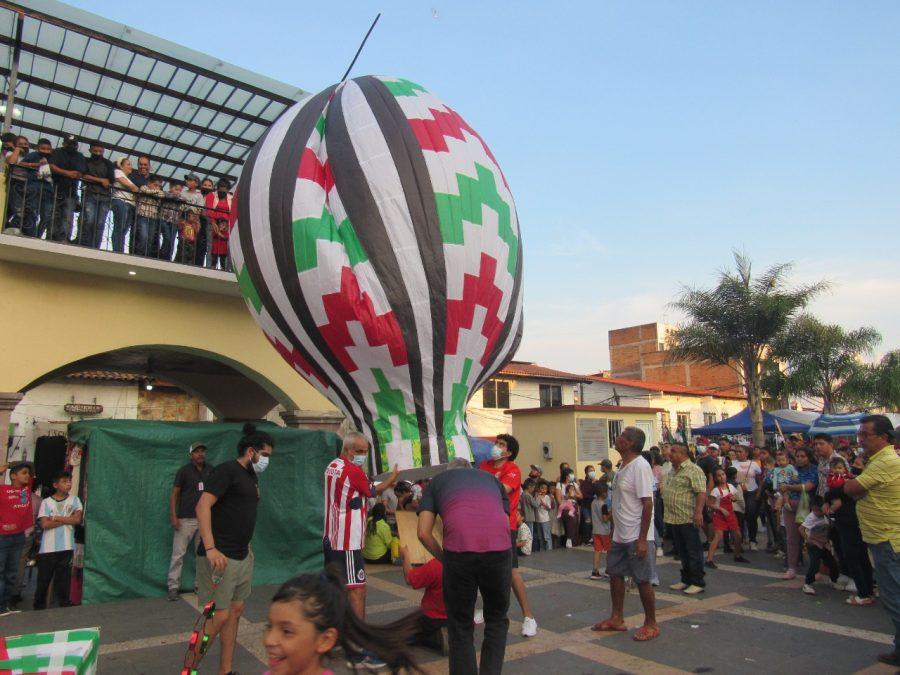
479, 617
851, 587
753, 546
809, 590
529, 626
659, 551
843, 580
680, 586
693, 590
568, 543
837, 585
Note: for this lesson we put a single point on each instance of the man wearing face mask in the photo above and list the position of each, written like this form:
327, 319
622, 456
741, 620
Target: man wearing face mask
39, 199
587, 486
226, 517
98, 176
347, 489
502, 465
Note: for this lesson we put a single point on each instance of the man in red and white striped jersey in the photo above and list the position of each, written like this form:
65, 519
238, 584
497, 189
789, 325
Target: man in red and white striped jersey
347, 487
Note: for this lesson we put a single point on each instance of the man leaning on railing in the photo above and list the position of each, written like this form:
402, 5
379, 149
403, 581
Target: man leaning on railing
98, 177
67, 166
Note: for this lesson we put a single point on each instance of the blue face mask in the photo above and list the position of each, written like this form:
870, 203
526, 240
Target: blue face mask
359, 460
261, 464
496, 452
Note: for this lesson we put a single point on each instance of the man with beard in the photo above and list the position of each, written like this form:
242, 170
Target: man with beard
98, 176
67, 166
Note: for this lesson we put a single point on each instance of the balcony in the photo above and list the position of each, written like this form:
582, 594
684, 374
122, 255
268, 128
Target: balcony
163, 241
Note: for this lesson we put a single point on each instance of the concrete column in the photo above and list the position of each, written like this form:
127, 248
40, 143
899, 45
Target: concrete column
328, 420
8, 402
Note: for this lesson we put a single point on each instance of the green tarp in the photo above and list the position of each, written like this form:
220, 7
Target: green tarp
130, 468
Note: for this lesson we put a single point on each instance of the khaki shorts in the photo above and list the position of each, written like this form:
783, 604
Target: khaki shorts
235, 584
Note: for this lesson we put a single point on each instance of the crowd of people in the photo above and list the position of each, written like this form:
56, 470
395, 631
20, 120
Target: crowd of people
185, 220
834, 507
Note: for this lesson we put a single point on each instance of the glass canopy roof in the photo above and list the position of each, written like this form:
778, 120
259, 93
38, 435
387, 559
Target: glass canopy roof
139, 94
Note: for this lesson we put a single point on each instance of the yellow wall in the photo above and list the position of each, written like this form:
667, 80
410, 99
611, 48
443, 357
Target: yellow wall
54, 317
559, 428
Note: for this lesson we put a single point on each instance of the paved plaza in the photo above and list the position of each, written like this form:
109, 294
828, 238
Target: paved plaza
748, 621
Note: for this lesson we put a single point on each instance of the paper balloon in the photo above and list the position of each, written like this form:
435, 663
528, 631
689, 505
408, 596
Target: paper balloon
378, 248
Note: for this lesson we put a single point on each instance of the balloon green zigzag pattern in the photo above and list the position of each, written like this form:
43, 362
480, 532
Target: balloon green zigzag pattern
307, 231
403, 87
467, 206
390, 403
248, 289
454, 416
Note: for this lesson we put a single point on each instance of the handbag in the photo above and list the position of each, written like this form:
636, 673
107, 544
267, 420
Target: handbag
802, 508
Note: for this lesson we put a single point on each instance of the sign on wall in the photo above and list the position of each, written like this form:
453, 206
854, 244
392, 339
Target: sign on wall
83, 408
592, 439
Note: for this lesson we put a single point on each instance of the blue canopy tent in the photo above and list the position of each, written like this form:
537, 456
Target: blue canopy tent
741, 424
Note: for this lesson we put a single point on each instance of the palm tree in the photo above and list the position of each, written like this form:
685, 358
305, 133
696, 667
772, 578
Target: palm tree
735, 323
823, 360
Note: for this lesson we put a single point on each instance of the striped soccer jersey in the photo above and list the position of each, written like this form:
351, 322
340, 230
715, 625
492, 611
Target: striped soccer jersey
60, 538
346, 490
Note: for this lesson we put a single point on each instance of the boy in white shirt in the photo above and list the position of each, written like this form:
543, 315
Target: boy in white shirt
524, 537
59, 515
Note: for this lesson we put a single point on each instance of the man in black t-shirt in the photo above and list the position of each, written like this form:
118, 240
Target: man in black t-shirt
226, 517
66, 166
98, 176
190, 482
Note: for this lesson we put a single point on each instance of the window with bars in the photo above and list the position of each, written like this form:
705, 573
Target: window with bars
551, 395
709, 418
684, 421
614, 428
495, 394
724, 415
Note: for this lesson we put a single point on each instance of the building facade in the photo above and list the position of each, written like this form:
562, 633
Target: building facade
680, 408
521, 384
640, 353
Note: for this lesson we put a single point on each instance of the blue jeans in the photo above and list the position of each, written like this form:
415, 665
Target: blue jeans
38, 209
167, 229
63, 211
887, 574
146, 229
17, 206
11, 546
93, 219
545, 535
123, 219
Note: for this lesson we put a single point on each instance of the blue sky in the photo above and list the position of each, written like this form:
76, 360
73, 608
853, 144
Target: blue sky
642, 141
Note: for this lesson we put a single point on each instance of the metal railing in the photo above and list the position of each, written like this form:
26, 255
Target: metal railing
174, 229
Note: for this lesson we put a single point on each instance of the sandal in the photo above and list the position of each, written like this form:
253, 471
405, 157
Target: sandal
860, 602
609, 625
645, 633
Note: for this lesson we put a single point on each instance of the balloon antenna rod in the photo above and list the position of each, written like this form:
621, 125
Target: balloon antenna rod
361, 45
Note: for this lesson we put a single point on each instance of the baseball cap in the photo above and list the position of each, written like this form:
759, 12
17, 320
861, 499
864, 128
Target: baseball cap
196, 446
538, 468
192, 176
713, 445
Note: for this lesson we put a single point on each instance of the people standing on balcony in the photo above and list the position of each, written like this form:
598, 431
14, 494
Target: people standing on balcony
193, 197
17, 206
141, 176
67, 166
122, 205
218, 211
169, 214
146, 230
39, 190
98, 178
207, 187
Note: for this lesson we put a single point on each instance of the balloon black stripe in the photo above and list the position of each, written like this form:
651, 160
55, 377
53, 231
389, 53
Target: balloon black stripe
419, 192
282, 185
372, 233
252, 262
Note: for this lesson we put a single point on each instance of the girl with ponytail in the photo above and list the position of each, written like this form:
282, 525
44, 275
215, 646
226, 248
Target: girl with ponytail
310, 616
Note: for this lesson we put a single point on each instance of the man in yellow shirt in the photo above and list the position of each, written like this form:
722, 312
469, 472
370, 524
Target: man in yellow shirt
877, 491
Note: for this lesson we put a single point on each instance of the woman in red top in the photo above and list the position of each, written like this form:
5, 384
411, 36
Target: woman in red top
220, 214
721, 501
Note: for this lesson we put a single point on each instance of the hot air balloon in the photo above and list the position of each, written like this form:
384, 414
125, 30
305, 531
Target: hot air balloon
378, 248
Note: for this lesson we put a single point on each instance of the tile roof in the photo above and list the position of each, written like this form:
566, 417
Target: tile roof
528, 369
665, 387
108, 375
